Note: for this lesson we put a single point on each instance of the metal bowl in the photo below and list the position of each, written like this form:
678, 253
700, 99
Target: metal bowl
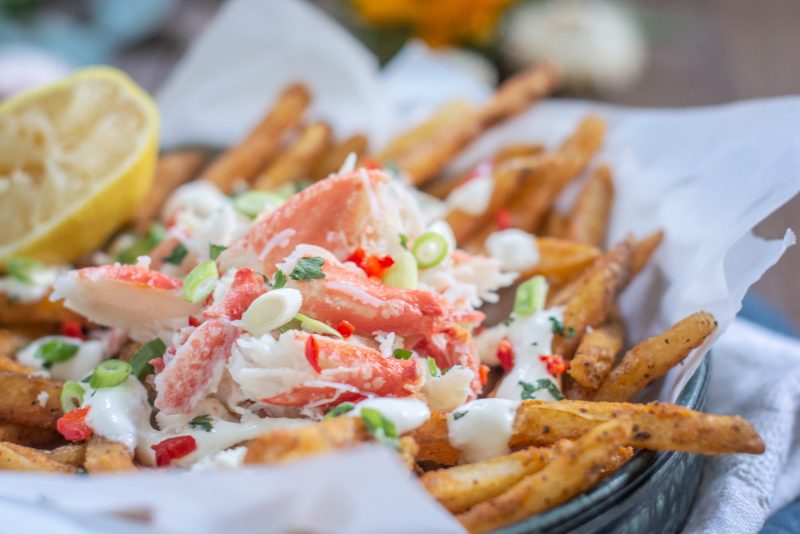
653, 492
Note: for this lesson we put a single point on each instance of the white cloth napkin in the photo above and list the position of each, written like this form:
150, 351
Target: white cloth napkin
755, 373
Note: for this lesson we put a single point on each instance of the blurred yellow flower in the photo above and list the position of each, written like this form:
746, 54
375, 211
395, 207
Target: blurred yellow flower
437, 22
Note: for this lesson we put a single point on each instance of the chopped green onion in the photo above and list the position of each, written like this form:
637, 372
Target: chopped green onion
459, 415
381, 428
71, 395
403, 273
110, 373
433, 368
176, 255
251, 203
140, 361
340, 409
430, 249
280, 280
531, 296
215, 250
142, 245
403, 240
308, 269
22, 268
318, 327
402, 354
200, 282
55, 351
202, 422
529, 390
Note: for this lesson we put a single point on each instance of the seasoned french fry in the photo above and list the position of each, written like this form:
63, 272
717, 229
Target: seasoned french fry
243, 161
408, 452
575, 467
14, 313
462, 487
555, 225
10, 343
519, 92
596, 353
106, 456
643, 250
15, 457
29, 400
588, 219
27, 435
510, 152
653, 357
333, 159
73, 454
561, 260
172, 170
296, 163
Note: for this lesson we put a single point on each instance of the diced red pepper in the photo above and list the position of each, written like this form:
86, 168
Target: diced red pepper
72, 425
72, 328
556, 365
503, 218
173, 448
357, 256
505, 353
386, 262
483, 374
371, 264
370, 163
346, 328
194, 321
312, 353
158, 364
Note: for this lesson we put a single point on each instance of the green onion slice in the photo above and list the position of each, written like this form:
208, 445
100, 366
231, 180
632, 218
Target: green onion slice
381, 428
200, 282
142, 245
55, 351
71, 395
21, 269
433, 368
530, 296
252, 203
404, 273
339, 409
140, 361
402, 354
110, 373
318, 327
430, 249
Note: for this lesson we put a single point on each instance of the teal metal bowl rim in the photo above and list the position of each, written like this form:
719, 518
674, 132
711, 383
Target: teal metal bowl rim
622, 484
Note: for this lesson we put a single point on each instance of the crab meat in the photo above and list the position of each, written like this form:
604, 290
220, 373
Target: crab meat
196, 367
146, 303
246, 287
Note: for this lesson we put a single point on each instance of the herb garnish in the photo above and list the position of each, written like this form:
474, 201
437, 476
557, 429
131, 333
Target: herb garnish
433, 368
308, 269
215, 250
381, 428
339, 409
528, 389
508, 320
203, 422
176, 255
560, 329
55, 351
403, 240
140, 361
459, 415
402, 354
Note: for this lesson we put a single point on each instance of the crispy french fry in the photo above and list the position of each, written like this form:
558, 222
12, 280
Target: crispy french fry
555, 225
653, 357
408, 452
519, 92
243, 161
27, 435
561, 260
596, 353
290, 444
296, 163
15, 457
106, 456
10, 343
510, 152
644, 249
593, 297
335, 156
14, 313
575, 467
462, 487
172, 170
73, 454
588, 219
21, 401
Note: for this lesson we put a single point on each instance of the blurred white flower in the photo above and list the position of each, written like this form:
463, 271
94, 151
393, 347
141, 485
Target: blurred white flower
596, 43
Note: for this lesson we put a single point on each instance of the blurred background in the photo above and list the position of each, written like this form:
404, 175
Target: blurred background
637, 53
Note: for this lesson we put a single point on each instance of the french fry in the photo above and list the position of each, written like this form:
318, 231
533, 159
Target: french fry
555, 224
510, 152
593, 297
243, 161
296, 163
10, 343
519, 92
561, 260
73, 454
15, 457
408, 452
27, 435
334, 158
21, 401
462, 487
172, 170
588, 219
596, 353
653, 357
575, 467
16, 313
644, 249
106, 456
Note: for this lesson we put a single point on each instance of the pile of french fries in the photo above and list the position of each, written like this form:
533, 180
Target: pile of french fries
560, 449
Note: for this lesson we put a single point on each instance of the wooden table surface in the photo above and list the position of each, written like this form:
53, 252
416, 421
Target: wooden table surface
701, 52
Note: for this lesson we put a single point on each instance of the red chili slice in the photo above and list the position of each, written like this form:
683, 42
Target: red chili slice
483, 374
371, 264
194, 321
503, 218
72, 328
312, 353
173, 449
357, 256
505, 353
556, 365
345, 328
72, 425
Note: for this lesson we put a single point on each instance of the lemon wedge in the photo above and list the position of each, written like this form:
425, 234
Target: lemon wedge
76, 158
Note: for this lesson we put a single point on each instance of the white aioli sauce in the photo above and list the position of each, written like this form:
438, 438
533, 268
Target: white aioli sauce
90, 353
120, 413
41, 281
515, 249
473, 196
406, 414
531, 337
483, 428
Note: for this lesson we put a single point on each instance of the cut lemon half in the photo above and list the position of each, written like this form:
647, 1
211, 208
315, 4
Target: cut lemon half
76, 158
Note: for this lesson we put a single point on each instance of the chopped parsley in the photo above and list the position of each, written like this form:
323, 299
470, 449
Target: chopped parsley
459, 415
403, 240
340, 409
528, 389
280, 280
202, 422
507, 321
308, 269
140, 361
433, 368
402, 354
215, 250
55, 351
20, 269
381, 428
176, 255
560, 329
